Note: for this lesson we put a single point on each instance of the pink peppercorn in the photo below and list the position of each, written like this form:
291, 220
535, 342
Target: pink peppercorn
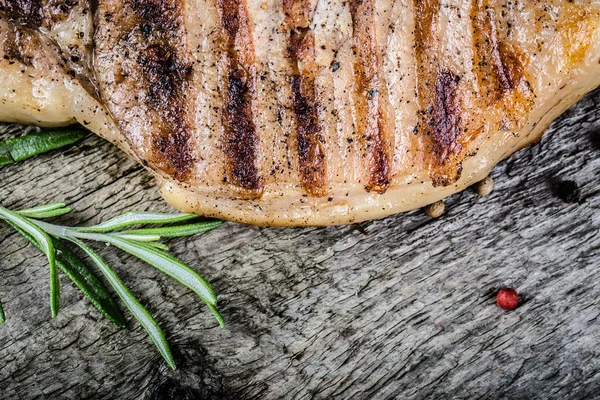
507, 299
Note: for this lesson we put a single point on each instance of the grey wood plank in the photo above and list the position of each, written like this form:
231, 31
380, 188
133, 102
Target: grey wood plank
406, 311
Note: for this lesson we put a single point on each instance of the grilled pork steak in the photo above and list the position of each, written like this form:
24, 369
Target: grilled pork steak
301, 112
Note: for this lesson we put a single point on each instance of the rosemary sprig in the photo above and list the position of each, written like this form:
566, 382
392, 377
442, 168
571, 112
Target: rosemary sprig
142, 243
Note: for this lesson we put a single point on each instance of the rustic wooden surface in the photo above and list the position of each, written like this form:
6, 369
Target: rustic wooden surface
406, 311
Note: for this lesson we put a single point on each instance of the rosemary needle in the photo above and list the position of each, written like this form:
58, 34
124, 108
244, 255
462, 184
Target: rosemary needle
2, 317
21, 148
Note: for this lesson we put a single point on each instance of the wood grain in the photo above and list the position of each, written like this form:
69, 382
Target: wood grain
406, 311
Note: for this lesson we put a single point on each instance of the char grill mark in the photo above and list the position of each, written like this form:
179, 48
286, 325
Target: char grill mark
23, 12
445, 120
499, 69
146, 76
21, 44
369, 92
438, 96
241, 140
166, 76
165, 73
301, 53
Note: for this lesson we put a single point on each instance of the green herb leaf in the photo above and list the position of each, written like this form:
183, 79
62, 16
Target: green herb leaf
169, 265
217, 315
2, 316
137, 218
24, 147
5, 158
46, 246
43, 208
135, 307
178, 231
136, 237
46, 211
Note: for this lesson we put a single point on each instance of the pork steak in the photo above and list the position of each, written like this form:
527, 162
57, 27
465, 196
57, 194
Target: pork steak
301, 112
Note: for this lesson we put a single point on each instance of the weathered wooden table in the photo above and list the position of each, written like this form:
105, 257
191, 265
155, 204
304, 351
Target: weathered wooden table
406, 311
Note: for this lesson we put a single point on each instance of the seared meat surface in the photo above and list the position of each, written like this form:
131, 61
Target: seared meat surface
301, 112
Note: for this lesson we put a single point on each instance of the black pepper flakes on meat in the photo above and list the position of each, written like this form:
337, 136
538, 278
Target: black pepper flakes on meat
146, 28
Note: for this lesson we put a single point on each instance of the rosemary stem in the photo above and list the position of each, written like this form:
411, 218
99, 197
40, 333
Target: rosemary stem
53, 230
65, 232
